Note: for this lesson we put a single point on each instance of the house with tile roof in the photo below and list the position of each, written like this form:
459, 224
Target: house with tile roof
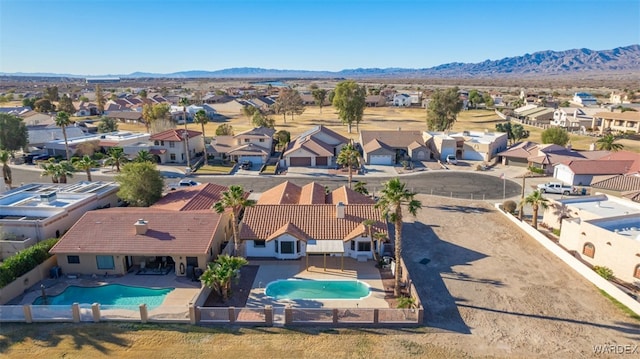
627, 186
171, 145
582, 172
618, 121
317, 147
544, 156
291, 222
177, 234
390, 147
255, 145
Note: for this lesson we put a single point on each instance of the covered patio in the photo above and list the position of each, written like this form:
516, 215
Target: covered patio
324, 247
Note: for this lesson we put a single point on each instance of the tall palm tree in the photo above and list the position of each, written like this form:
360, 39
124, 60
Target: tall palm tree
144, 156
116, 157
393, 196
536, 200
202, 119
65, 170
235, 200
349, 156
63, 120
221, 273
184, 102
368, 224
50, 170
6, 170
58, 171
85, 163
608, 143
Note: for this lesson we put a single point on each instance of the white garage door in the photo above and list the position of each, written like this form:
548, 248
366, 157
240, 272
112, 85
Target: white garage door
380, 160
254, 159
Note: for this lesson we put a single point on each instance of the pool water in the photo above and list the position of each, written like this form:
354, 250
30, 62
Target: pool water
317, 289
110, 294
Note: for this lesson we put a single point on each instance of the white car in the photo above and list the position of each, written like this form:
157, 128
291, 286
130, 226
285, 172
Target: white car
184, 183
452, 160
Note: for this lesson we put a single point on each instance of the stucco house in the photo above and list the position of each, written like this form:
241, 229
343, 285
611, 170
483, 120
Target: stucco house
255, 145
170, 145
584, 99
571, 118
401, 100
291, 222
390, 147
618, 121
466, 145
582, 172
317, 147
544, 156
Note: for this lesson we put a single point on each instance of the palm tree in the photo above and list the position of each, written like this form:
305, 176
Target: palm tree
221, 273
6, 170
202, 119
85, 163
368, 224
608, 143
65, 170
393, 196
235, 200
536, 200
116, 157
350, 157
184, 102
144, 156
50, 169
361, 188
62, 120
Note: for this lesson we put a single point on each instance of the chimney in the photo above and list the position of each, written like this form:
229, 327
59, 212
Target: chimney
340, 210
141, 226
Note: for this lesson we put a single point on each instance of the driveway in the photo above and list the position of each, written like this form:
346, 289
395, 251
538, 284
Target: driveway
490, 290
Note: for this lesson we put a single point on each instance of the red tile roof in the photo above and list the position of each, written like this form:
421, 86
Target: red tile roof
626, 155
112, 231
619, 183
284, 193
598, 167
314, 221
312, 193
174, 135
196, 198
348, 196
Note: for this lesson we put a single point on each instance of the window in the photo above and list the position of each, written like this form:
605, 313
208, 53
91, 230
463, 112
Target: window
172, 144
161, 143
73, 259
287, 247
173, 156
589, 250
364, 246
636, 272
277, 247
259, 244
156, 142
105, 262
247, 140
353, 245
262, 140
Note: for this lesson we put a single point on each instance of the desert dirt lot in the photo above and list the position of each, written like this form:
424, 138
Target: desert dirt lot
489, 291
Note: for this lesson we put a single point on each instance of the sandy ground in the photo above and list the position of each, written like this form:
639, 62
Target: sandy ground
488, 290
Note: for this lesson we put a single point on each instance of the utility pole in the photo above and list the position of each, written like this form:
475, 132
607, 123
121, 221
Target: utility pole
521, 211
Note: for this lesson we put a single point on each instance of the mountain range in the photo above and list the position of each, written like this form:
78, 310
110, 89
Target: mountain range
543, 63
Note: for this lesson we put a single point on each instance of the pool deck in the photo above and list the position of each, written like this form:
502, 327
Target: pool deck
272, 270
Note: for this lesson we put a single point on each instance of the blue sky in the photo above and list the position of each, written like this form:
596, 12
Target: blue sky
96, 37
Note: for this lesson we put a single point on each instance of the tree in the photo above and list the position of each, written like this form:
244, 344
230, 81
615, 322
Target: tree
249, 111
224, 130
30, 102
608, 143
100, 99
368, 224
221, 272
393, 196
62, 120
156, 117
85, 163
443, 109
107, 124
65, 104
515, 131
475, 98
58, 171
87, 148
350, 157
289, 102
236, 201
536, 200
487, 99
140, 184
349, 100
6, 170
144, 156
361, 188
202, 119
51, 93
184, 102
260, 120
142, 93
282, 137
13, 132
116, 157
555, 135
320, 96
44, 105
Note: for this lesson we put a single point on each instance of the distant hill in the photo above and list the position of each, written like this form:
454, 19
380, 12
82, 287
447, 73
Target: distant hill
543, 63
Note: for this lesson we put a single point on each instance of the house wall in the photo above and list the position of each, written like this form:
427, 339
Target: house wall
446, 146
354, 253
267, 251
89, 265
9, 246
612, 250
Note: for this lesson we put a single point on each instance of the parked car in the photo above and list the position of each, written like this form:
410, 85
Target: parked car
246, 165
452, 160
184, 183
557, 187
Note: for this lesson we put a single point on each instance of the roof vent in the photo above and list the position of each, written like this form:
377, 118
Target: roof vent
141, 226
48, 197
340, 210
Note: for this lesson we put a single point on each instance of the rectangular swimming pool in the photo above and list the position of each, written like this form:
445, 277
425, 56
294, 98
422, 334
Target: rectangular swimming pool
110, 294
317, 289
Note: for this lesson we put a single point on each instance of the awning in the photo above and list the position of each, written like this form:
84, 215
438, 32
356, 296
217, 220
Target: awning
325, 246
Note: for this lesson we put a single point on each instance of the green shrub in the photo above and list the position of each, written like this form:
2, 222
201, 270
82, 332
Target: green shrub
24, 261
604, 272
509, 206
556, 231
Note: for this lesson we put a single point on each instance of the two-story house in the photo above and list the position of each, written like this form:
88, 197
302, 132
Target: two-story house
172, 146
255, 145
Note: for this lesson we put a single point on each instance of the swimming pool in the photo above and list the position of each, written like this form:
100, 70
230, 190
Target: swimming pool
110, 294
317, 289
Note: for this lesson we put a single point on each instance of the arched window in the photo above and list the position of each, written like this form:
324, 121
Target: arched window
589, 250
636, 272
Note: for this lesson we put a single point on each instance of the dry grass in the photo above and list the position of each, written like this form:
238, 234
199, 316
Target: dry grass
385, 118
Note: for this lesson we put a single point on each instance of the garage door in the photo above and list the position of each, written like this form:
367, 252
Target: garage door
300, 161
321, 161
380, 160
253, 159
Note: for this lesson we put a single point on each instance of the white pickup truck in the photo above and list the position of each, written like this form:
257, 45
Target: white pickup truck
557, 187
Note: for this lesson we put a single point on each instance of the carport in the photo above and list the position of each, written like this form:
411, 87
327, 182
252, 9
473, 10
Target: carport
324, 246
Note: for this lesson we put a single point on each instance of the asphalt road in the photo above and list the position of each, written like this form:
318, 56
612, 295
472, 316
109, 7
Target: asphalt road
456, 184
